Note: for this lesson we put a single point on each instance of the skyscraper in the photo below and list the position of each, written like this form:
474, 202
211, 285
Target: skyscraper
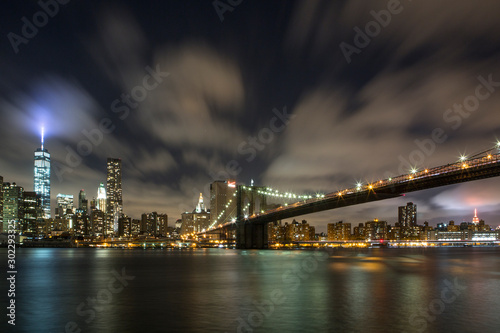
407, 215
475, 219
64, 205
101, 198
83, 203
42, 177
114, 193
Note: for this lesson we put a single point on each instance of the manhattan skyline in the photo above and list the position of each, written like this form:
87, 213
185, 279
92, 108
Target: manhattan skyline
269, 87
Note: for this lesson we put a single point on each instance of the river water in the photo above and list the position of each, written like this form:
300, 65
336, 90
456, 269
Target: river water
218, 290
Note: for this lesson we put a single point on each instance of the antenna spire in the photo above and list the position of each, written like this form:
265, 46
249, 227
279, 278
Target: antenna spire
43, 130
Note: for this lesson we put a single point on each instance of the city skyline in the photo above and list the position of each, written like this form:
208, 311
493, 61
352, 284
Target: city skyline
219, 91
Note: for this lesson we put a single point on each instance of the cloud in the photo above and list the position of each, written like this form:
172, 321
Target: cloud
200, 102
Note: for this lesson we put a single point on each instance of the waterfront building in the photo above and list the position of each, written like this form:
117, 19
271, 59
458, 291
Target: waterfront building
299, 232
376, 230
339, 231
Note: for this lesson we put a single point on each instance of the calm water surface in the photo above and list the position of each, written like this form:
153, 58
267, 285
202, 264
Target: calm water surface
212, 290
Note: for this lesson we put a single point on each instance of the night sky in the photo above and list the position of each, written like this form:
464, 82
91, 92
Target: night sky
352, 107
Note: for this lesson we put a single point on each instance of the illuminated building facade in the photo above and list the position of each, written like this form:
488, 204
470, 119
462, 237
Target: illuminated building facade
41, 178
339, 231
64, 205
407, 215
12, 205
114, 194
196, 221
101, 198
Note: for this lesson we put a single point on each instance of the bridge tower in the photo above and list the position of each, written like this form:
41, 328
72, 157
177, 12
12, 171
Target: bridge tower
250, 202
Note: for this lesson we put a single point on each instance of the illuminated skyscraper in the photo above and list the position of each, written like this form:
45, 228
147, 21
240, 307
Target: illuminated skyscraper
42, 177
114, 193
101, 198
475, 219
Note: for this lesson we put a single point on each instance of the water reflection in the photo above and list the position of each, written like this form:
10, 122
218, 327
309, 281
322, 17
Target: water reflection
212, 290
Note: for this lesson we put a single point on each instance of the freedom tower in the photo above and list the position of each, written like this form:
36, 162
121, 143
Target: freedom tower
41, 178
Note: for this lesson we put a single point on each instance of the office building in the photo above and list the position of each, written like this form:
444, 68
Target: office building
12, 206
101, 198
407, 215
114, 193
83, 203
32, 213
64, 206
339, 231
154, 224
41, 179
196, 221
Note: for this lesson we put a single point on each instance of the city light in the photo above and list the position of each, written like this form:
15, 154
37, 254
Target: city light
463, 158
414, 170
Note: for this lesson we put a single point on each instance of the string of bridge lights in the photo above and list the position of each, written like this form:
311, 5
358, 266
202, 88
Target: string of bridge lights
287, 195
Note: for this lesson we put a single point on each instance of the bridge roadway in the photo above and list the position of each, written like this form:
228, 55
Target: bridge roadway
482, 166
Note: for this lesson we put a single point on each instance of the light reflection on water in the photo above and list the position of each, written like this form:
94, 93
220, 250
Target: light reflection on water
217, 290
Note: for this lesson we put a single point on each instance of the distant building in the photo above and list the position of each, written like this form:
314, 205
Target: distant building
83, 203
64, 205
81, 223
475, 219
276, 232
41, 177
32, 213
154, 224
101, 198
97, 218
12, 205
125, 226
376, 230
114, 193
407, 215
196, 221
299, 232
339, 231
